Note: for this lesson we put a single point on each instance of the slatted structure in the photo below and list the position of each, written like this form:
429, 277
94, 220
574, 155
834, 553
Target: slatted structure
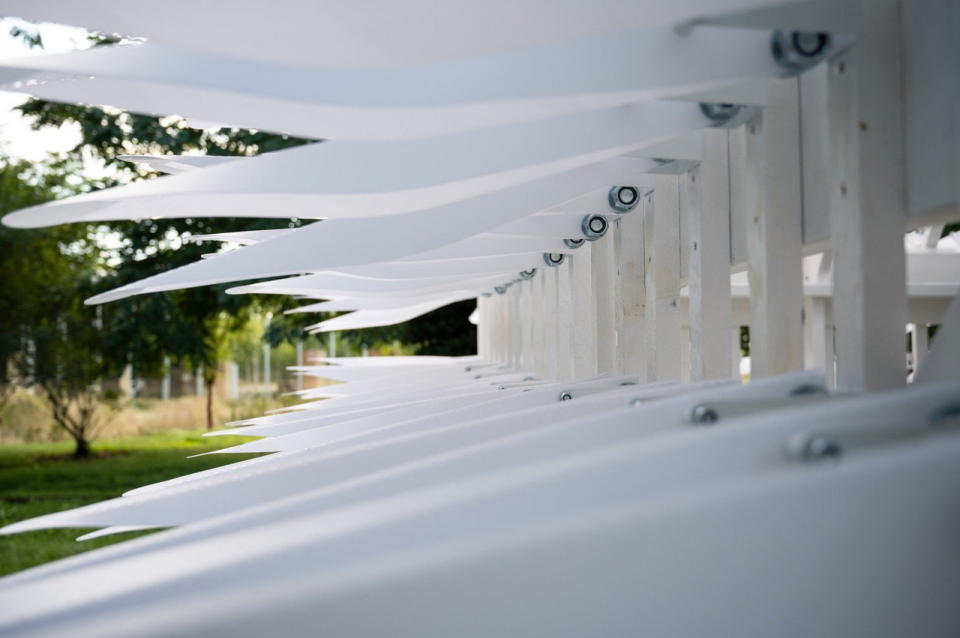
622, 186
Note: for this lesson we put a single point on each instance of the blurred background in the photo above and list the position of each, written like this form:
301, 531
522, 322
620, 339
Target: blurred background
98, 400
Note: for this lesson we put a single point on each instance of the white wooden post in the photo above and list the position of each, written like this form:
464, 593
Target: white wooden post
584, 312
662, 247
919, 344
707, 201
299, 363
818, 337
631, 286
603, 271
516, 326
565, 320
266, 365
867, 203
551, 319
165, 382
774, 235
483, 327
539, 321
735, 351
233, 380
525, 319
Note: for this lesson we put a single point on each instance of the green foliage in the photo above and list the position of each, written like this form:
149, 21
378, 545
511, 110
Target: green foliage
38, 479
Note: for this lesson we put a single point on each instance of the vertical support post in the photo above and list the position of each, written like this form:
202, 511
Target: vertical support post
551, 331
662, 247
919, 343
233, 380
775, 235
526, 310
818, 337
735, 352
867, 198
631, 286
331, 348
483, 328
516, 326
539, 322
299, 363
707, 189
165, 382
266, 367
603, 274
584, 323
565, 321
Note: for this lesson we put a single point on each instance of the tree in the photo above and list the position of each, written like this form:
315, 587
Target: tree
48, 339
193, 330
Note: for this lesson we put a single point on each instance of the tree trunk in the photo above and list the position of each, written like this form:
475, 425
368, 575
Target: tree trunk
210, 383
82, 449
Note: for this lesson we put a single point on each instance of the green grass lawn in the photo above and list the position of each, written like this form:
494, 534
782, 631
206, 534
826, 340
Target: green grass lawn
39, 478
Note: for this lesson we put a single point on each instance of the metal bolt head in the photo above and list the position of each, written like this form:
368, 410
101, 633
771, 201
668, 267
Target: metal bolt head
573, 243
703, 415
820, 448
807, 389
593, 227
528, 274
719, 113
565, 395
553, 259
623, 199
500, 290
796, 51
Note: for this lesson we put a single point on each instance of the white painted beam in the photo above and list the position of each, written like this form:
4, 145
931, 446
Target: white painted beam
631, 292
662, 247
774, 234
707, 201
867, 204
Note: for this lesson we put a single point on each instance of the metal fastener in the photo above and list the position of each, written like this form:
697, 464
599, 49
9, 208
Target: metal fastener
593, 227
623, 199
553, 259
703, 414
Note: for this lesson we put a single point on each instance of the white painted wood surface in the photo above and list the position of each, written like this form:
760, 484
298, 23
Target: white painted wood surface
774, 235
867, 204
661, 236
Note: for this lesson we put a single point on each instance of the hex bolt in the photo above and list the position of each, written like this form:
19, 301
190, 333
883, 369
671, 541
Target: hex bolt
948, 412
623, 199
565, 395
553, 259
593, 227
703, 415
719, 113
500, 290
797, 51
807, 389
820, 448
528, 274
573, 243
